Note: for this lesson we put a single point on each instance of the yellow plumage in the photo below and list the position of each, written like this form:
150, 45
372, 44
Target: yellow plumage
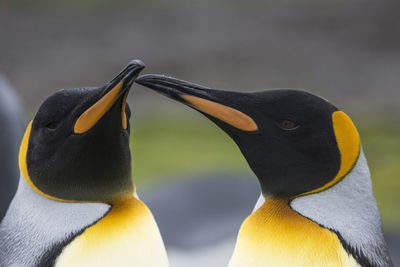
126, 236
276, 235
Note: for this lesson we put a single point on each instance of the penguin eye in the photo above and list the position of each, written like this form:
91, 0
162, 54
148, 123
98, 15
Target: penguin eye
288, 125
52, 125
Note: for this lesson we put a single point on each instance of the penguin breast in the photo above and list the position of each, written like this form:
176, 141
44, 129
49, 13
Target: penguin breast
127, 236
276, 235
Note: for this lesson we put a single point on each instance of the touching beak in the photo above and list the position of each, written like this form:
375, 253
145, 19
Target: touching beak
208, 101
114, 90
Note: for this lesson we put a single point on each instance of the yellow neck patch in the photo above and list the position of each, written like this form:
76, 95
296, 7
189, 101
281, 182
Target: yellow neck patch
276, 235
127, 236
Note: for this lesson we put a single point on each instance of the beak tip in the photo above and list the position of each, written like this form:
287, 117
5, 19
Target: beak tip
137, 63
141, 79
132, 70
149, 78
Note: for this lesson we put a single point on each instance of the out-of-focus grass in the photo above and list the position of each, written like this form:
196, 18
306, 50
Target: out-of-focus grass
169, 145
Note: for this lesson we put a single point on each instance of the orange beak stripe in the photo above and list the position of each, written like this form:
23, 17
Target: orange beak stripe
224, 113
123, 113
93, 114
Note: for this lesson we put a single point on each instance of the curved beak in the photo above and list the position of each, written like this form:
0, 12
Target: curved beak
222, 105
115, 89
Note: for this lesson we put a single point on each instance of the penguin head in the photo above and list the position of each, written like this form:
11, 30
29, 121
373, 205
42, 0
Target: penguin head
77, 146
296, 143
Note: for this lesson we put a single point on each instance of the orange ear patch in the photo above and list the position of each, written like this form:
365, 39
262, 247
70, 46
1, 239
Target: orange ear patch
23, 150
348, 142
224, 113
93, 114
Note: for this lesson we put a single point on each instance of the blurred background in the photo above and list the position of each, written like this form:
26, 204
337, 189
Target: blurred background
189, 172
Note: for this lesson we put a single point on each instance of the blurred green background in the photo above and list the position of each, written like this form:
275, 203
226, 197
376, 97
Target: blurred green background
345, 51
195, 145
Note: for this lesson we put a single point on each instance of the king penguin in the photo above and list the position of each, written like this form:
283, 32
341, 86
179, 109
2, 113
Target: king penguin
76, 203
317, 206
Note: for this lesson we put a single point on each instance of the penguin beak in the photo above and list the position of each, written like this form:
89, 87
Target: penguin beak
114, 90
213, 103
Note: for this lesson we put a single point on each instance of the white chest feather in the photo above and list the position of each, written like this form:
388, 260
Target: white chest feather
93, 235
349, 207
34, 224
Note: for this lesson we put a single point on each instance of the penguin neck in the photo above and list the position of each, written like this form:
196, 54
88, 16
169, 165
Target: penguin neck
346, 211
277, 234
43, 225
116, 200
349, 209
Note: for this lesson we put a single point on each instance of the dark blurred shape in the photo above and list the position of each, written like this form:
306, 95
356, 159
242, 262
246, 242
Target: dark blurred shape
202, 209
393, 242
11, 132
